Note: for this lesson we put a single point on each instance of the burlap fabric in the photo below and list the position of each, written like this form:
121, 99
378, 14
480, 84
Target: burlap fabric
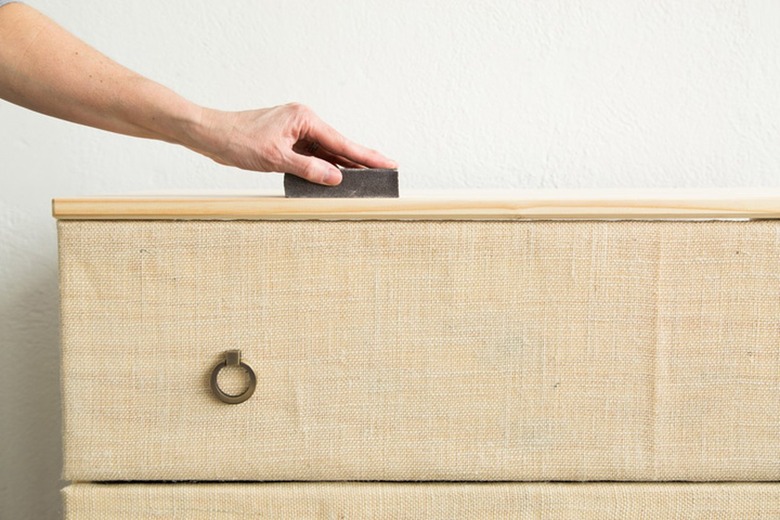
390, 350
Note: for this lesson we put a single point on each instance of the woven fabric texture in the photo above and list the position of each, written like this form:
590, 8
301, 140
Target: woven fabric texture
591, 350
429, 501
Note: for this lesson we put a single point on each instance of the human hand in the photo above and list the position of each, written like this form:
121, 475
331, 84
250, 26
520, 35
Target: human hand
287, 138
45, 68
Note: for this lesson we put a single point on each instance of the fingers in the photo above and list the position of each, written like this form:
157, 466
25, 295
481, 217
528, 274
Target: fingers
338, 145
309, 148
336, 159
312, 169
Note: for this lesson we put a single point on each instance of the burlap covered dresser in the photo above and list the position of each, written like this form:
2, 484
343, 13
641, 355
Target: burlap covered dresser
568, 355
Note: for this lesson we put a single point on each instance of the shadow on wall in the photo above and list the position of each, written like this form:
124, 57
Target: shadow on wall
30, 419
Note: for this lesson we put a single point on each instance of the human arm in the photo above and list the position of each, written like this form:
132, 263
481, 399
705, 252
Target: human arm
45, 68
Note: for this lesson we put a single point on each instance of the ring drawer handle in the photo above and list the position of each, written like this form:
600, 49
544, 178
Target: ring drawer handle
233, 358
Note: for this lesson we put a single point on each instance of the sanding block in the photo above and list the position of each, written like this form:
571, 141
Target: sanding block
355, 183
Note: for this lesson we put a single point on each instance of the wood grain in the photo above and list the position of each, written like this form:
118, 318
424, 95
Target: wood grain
548, 204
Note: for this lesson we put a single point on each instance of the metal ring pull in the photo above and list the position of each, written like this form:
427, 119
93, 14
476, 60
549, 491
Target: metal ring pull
233, 359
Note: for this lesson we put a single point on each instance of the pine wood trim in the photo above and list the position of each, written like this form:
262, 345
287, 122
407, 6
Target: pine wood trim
551, 204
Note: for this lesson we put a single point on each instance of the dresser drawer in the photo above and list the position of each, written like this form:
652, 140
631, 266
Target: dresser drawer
430, 501
422, 350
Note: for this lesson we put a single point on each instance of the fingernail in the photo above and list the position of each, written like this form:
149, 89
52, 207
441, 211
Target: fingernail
332, 177
393, 164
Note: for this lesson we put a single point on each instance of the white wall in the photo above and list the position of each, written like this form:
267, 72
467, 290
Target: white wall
463, 94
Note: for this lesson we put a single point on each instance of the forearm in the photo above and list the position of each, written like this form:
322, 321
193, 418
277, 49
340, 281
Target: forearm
46, 69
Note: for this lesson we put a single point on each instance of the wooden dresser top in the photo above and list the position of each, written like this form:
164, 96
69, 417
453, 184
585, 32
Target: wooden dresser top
607, 204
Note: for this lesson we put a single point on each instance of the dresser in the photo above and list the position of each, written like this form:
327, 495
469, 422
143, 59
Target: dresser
548, 354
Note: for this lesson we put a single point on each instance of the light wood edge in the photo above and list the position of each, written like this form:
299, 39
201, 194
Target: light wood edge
279, 208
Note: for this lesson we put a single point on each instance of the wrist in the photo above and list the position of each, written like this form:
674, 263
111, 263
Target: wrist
205, 131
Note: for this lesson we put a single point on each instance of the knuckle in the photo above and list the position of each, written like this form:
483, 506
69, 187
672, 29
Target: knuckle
298, 109
310, 172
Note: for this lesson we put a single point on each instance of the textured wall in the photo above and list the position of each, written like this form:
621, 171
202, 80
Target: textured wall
535, 94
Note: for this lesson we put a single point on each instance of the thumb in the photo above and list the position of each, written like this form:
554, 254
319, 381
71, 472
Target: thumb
312, 169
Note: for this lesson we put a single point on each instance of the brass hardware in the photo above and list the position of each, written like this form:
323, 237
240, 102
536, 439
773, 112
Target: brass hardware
233, 358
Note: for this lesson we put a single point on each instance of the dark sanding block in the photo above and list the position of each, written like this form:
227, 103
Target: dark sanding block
355, 183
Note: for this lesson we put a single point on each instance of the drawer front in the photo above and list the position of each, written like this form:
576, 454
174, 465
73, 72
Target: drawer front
430, 501
392, 350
